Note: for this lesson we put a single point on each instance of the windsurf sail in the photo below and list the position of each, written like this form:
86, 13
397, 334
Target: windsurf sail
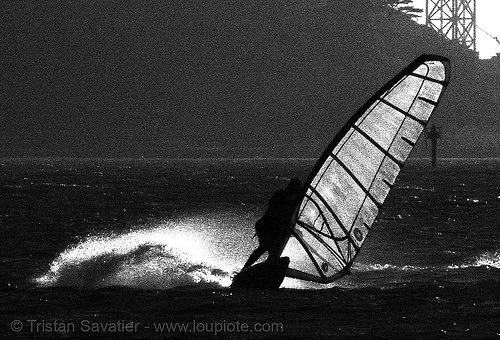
348, 185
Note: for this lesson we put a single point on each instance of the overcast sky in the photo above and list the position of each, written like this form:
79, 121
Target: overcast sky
162, 78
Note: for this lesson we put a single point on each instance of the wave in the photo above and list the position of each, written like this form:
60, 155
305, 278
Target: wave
486, 259
386, 267
158, 258
415, 188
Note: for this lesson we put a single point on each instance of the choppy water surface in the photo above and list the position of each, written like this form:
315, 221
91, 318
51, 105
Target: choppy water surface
157, 241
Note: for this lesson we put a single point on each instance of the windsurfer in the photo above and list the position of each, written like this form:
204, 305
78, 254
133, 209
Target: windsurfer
272, 228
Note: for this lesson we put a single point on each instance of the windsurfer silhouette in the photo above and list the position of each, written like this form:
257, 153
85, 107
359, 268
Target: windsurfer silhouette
272, 228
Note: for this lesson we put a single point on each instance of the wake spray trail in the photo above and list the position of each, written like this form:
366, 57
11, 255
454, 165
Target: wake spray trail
158, 258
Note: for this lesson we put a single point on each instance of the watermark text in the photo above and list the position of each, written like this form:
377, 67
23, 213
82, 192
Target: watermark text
124, 326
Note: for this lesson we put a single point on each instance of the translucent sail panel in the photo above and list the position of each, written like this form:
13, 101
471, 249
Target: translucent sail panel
352, 179
433, 69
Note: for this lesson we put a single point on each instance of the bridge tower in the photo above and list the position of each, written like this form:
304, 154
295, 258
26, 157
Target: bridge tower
455, 19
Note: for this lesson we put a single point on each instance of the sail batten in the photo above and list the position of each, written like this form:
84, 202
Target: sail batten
384, 151
367, 192
408, 141
316, 235
428, 101
325, 203
442, 82
403, 112
350, 182
325, 223
337, 255
323, 233
311, 257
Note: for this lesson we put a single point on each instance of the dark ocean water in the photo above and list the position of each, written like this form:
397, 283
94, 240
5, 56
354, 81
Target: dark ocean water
145, 249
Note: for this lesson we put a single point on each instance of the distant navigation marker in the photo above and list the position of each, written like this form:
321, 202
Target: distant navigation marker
455, 19
433, 134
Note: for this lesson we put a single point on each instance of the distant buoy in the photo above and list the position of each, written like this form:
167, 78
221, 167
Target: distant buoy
434, 133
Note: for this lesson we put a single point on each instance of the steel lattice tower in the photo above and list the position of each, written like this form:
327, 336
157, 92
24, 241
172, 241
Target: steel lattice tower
455, 19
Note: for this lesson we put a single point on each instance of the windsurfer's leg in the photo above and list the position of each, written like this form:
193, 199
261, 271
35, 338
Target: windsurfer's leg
254, 256
274, 252
276, 247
